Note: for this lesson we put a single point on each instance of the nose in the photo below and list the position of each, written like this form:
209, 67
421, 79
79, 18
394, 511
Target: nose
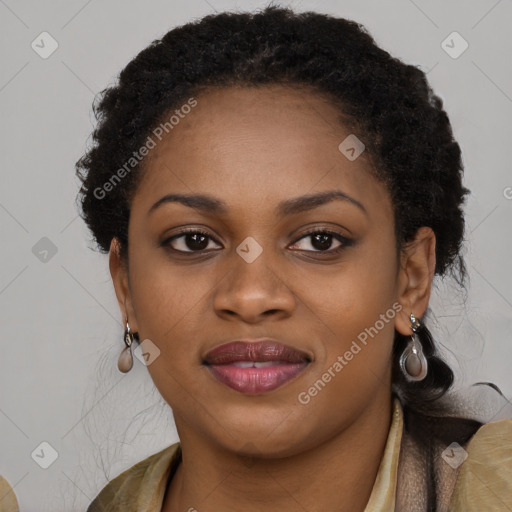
253, 292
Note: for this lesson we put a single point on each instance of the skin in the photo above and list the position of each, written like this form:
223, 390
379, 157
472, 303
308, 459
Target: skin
253, 148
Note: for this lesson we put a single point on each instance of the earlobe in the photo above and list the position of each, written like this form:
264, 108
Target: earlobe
417, 270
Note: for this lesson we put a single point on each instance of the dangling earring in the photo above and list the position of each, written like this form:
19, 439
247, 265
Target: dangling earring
413, 361
125, 361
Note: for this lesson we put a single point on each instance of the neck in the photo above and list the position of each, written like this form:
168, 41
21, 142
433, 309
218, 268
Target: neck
338, 474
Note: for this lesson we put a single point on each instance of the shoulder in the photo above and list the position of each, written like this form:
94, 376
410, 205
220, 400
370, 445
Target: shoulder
139, 485
484, 481
8, 502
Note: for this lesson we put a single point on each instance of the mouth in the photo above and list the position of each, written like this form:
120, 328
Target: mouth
255, 367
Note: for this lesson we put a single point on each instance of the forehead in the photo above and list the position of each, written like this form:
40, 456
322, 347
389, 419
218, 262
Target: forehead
256, 145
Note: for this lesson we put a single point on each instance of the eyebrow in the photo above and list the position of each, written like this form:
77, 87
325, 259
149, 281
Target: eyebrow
209, 204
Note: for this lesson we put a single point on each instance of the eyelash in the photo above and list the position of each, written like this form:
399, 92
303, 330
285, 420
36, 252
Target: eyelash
345, 242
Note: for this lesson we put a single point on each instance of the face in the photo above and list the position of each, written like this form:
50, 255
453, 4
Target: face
295, 243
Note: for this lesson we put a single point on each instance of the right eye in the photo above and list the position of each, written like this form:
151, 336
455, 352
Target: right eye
189, 240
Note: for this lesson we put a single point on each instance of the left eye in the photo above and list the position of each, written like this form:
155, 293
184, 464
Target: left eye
321, 241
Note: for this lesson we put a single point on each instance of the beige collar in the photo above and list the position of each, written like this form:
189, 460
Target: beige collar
153, 483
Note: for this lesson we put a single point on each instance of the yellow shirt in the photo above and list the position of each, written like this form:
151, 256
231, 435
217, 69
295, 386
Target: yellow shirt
484, 481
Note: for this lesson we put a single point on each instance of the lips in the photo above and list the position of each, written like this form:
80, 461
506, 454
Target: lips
256, 366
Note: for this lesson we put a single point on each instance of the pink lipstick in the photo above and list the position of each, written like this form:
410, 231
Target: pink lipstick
256, 366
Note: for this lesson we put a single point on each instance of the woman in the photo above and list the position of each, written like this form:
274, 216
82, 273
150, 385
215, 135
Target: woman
276, 194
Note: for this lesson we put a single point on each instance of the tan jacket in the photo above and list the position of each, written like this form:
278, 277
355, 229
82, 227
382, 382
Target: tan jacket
480, 483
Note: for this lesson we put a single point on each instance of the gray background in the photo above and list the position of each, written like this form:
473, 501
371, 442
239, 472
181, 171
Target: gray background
61, 328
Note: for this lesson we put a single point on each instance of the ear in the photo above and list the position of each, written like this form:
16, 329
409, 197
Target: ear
417, 267
120, 280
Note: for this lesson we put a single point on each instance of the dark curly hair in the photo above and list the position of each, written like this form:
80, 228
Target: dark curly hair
389, 104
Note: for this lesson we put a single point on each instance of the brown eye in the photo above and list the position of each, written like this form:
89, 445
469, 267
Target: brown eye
322, 241
189, 241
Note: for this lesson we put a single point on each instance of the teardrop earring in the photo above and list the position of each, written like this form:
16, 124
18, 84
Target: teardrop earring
413, 362
125, 361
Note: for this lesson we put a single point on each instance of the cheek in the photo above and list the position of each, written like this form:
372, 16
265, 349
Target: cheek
352, 296
162, 293
357, 324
